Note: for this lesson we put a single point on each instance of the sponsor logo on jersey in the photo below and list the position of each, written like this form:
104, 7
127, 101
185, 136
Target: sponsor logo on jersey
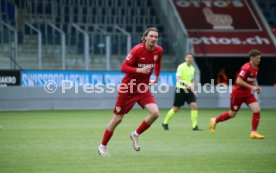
142, 58
129, 56
251, 79
242, 73
144, 65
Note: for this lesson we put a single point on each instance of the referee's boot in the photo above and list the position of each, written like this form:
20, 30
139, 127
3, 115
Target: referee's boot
165, 126
196, 128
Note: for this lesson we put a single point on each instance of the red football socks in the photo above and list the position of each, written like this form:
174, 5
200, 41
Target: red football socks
106, 137
222, 117
143, 126
255, 121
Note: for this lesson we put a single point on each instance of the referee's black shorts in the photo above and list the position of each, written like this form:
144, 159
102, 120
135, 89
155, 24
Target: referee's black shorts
183, 95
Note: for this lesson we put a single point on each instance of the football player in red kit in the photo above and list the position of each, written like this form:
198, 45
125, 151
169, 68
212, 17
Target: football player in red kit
138, 66
246, 83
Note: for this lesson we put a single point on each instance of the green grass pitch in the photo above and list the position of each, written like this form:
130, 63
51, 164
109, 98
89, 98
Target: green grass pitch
67, 141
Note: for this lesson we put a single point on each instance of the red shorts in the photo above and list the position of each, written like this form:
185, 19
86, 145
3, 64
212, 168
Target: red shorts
125, 101
236, 102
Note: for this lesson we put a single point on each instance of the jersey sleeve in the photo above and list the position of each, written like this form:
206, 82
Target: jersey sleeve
158, 64
178, 71
243, 73
128, 65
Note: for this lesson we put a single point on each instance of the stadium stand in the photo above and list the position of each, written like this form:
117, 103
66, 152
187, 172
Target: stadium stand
97, 18
54, 19
269, 10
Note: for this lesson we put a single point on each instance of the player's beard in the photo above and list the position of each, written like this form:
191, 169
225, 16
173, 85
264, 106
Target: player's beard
152, 44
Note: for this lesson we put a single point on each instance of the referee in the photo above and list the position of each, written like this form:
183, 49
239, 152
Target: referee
184, 92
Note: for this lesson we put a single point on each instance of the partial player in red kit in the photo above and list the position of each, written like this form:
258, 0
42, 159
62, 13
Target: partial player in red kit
138, 66
246, 83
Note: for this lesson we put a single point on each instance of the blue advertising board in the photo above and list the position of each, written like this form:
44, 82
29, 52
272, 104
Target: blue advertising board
36, 78
32, 78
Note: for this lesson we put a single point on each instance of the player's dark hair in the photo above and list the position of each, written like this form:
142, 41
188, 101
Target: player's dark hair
254, 53
147, 31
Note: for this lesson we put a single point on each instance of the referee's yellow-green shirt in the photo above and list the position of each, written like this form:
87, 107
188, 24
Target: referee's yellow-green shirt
185, 73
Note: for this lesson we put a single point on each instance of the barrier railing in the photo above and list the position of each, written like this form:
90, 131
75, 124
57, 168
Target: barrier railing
39, 43
9, 38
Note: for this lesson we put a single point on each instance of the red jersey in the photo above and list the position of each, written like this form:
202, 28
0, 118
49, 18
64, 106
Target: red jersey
248, 74
139, 57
